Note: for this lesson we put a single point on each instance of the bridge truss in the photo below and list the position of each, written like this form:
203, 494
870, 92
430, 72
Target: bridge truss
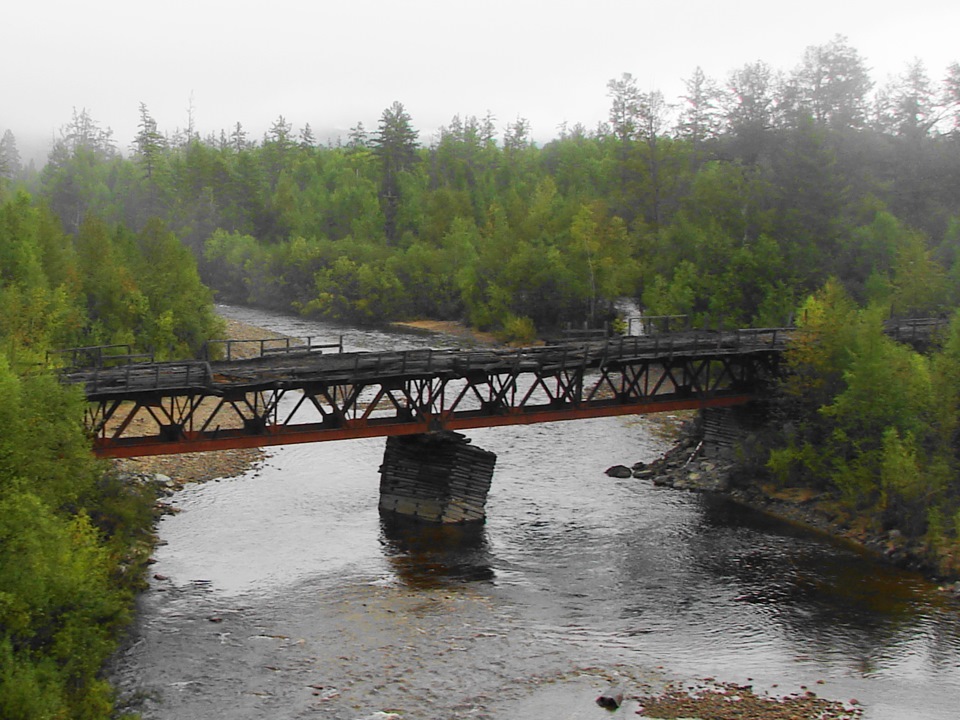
295, 397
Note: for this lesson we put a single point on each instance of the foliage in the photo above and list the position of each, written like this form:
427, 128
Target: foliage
180, 317
519, 330
67, 527
61, 541
58, 612
761, 190
873, 421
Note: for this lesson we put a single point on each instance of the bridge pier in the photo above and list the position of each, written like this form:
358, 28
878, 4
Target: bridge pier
436, 478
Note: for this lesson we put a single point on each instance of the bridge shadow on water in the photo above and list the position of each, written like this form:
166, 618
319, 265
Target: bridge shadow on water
427, 555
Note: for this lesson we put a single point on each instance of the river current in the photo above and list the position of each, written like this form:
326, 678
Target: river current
283, 594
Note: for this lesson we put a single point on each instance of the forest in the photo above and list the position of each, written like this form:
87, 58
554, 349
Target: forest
74, 536
812, 197
736, 201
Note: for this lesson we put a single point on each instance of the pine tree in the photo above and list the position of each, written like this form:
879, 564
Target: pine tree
10, 164
395, 144
149, 143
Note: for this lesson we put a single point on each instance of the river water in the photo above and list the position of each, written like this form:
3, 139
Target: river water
282, 593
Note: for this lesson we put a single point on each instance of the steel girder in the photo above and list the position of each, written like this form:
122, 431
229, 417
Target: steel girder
197, 419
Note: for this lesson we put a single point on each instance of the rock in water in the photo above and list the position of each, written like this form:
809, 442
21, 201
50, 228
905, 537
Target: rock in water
619, 471
611, 699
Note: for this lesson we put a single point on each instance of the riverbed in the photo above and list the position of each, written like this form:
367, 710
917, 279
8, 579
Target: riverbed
282, 593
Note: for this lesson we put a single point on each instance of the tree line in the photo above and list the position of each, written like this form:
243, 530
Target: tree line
736, 201
811, 195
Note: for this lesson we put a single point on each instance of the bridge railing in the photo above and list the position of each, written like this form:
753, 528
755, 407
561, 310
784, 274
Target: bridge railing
99, 356
137, 378
656, 324
238, 349
741, 339
921, 329
142, 377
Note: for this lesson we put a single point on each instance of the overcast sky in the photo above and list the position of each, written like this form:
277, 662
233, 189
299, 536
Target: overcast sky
332, 64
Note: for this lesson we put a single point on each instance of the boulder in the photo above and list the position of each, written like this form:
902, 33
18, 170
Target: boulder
619, 471
611, 698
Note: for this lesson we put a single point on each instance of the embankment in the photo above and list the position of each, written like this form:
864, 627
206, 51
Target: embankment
695, 465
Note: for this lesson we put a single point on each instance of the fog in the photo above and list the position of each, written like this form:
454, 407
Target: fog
334, 64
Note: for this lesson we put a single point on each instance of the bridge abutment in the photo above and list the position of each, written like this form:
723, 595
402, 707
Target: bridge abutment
436, 477
725, 430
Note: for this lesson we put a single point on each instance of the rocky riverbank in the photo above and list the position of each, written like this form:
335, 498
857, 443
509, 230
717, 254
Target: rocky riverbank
692, 464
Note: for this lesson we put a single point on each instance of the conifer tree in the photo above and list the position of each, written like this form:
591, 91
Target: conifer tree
395, 144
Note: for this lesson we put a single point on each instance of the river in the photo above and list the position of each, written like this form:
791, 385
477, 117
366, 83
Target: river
282, 594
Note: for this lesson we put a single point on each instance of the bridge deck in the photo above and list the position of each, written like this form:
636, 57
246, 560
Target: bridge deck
294, 369
291, 397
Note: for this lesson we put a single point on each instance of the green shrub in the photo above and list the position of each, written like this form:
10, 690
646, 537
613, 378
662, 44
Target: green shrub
518, 330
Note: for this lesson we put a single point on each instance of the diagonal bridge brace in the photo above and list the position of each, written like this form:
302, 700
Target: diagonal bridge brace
369, 394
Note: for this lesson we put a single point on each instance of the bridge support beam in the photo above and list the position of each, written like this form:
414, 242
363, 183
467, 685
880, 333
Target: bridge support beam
436, 478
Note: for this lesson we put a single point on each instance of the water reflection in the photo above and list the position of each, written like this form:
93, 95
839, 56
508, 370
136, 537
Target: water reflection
428, 555
825, 597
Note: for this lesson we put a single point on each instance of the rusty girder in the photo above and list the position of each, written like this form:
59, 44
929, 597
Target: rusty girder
288, 410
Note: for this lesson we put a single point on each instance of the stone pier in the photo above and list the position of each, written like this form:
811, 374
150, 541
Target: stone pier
436, 478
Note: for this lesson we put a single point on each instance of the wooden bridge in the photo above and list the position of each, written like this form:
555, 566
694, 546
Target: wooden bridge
302, 392
297, 394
